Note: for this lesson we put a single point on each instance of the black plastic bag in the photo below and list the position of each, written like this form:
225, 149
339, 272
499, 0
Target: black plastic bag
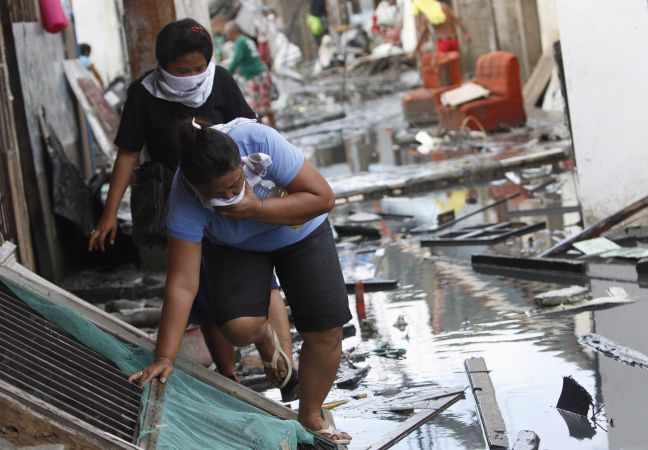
150, 203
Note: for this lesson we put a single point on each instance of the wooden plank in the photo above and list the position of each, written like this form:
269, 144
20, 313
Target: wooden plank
539, 79
373, 285
489, 414
108, 117
150, 424
526, 440
37, 83
534, 269
9, 144
599, 227
74, 72
415, 422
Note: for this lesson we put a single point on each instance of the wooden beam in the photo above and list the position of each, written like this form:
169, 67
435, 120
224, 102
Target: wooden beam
539, 79
10, 147
151, 421
489, 414
598, 228
415, 422
76, 74
143, 20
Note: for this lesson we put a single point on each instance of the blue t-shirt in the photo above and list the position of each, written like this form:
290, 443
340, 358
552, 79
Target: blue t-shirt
85, 60
189, 220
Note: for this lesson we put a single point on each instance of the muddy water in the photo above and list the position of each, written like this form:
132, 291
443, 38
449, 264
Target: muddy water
453, 313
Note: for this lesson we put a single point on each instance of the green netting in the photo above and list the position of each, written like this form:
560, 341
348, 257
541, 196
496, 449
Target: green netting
196, 415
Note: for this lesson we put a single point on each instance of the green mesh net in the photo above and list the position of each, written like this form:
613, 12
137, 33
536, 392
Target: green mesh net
196, 415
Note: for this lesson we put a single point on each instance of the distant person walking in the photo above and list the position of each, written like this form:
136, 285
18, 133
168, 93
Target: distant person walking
247, 62
317, 20
444, 22
84, 57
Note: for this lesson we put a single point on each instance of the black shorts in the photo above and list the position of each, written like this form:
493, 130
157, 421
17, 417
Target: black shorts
309, 272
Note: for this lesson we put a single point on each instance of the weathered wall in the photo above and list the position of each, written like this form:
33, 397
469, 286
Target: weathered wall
510, 25
98, 23
607, 90
195, 9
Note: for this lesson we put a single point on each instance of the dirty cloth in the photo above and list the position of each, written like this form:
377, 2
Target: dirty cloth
192, 91
196, 415
432, 10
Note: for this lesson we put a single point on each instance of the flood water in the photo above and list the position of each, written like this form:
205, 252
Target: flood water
453, 313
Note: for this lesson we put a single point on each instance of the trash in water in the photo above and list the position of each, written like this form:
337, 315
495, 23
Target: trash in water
388, 351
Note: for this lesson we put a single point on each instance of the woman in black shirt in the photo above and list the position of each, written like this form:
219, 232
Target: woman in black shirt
185, 84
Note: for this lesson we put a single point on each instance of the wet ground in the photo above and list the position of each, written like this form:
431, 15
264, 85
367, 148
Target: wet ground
453, 313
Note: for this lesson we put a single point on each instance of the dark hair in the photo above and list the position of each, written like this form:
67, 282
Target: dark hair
179, 38
85, 49
205, 154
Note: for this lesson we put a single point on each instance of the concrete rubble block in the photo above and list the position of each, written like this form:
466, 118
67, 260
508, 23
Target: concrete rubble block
568, 295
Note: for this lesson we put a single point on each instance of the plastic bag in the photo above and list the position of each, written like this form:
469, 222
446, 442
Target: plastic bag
150, 203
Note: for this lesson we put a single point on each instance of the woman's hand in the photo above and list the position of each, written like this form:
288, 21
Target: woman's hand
161, 367
107, 226
247, 209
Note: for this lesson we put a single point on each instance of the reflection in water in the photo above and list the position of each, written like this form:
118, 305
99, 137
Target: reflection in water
453, 313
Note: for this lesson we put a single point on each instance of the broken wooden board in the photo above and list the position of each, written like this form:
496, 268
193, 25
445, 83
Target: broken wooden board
483, 234
74, 71
415, 422
612, 299
535, 269
489, 413
539, 78
152, 419
613, 350
373, 285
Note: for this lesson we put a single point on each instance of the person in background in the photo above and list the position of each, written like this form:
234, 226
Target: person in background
219, 192
84, 57
387, 21
185, 84
443, 20
317, 20
247, 62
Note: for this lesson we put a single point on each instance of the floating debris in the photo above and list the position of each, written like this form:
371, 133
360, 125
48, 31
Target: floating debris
401, 323
388, 351
574, 398
565, 296
615, 351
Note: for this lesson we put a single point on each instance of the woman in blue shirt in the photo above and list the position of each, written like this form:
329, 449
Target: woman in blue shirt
220, 193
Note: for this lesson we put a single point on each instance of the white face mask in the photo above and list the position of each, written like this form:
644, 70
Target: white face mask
184, 84
229, 202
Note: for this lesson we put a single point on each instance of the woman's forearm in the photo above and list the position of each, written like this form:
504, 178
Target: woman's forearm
294, 209
120, 179
175, 314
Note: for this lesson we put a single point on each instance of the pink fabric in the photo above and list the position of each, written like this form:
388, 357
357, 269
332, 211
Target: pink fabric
53, 16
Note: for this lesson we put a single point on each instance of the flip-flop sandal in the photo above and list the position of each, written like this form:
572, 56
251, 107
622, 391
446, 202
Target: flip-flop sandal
328, 433
275, 358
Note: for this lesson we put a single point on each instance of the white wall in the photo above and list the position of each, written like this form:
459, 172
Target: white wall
548, 22
97, 23
605, 53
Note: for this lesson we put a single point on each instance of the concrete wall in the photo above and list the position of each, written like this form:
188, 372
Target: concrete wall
98, 23
607, 90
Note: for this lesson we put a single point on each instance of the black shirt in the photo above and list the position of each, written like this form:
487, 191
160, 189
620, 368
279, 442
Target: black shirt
318, 8
149, 120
